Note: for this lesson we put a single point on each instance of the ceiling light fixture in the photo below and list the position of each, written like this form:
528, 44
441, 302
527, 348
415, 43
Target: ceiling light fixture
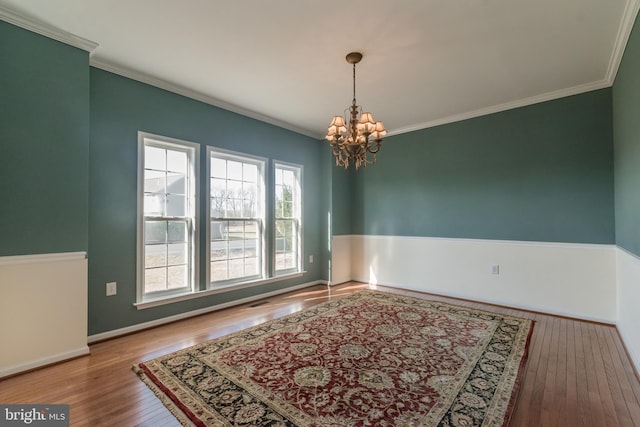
355, 139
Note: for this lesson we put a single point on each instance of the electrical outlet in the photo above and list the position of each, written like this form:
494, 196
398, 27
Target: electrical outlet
495, 269
310, 259
112, 288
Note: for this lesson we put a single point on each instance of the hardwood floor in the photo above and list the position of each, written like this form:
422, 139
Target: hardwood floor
578, 373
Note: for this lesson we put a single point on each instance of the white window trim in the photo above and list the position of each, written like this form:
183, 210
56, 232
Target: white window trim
242, 282
299, 170
163, 141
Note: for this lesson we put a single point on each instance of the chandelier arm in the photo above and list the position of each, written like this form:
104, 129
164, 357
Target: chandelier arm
374, 150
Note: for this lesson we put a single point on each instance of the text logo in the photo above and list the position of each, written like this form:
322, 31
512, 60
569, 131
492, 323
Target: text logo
34, 415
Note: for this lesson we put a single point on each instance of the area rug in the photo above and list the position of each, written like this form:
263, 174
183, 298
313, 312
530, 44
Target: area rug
368, 359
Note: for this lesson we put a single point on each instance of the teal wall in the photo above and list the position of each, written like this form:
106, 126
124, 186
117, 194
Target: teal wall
121, 107
44, 144
342, 191
626, 127
538, 173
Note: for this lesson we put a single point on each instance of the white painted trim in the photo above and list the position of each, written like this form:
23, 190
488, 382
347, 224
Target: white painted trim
42, 258
44, 29
484, 241
624, 31
628, 283
146, 325
198, 96
81, 351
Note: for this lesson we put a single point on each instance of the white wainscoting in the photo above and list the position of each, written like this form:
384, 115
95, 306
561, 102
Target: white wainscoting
629, 303
576, 280
340, 260
43, 310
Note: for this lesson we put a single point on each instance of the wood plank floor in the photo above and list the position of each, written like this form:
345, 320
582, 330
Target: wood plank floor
578, 373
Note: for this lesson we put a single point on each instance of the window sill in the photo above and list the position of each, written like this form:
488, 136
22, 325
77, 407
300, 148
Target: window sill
227, 288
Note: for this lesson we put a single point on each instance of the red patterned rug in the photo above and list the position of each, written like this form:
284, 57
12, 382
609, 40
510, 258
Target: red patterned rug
367, 359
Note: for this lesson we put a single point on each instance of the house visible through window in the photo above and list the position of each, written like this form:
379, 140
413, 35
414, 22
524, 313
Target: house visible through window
166, 248
237, 214
287, 218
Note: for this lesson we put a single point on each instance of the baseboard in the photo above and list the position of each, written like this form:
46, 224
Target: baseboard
491, 302
49, 360
151, 324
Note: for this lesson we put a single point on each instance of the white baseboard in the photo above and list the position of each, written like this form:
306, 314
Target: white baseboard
146, 325
33, 364
574, 280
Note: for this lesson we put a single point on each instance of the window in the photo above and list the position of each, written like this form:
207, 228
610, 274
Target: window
237, 212
287, 218
167, 217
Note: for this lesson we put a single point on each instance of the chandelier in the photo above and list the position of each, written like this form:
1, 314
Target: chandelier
356, 137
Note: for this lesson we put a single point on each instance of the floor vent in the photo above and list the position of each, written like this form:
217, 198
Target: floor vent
259, 303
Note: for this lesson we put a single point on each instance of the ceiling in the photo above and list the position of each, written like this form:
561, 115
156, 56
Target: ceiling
426, 62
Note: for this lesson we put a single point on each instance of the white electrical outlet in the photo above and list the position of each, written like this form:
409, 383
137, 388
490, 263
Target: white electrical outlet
495, 269
112, 288
310, 259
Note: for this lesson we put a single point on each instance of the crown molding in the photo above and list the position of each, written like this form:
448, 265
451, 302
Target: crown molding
198, 96
624, 31
549, 96
44, 29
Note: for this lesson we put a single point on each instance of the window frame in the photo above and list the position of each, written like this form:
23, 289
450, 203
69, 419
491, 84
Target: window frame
192, 217
298, 171
261, 198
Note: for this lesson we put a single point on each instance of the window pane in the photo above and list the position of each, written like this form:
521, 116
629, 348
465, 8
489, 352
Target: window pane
250, 173
234, 170
177, 253
155, 158
219, 270
154, 204
219, 250
218, 207
218, 230
177, 161
155, 232
218, 168
176, 205
251, 266
154, 181
288, 178
236, 268
176, 183
234, 208
177, 277
177, 232
218, 187
155, 256
155, 279
234, 189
